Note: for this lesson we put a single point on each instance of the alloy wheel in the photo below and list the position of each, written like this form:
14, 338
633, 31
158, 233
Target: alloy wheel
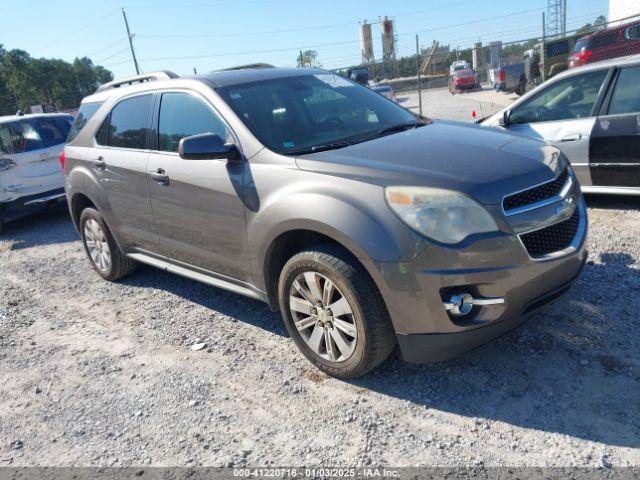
97, 245
323, 317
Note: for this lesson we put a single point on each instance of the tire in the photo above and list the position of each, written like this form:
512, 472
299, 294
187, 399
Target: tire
102, 250
370, 338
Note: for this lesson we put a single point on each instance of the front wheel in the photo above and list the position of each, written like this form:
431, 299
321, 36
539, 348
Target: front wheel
334, 312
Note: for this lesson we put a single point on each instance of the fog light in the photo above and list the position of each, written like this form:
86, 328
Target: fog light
462, 303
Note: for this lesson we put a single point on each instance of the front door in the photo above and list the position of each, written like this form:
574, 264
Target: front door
615, 142
563, 114
119, 162
197, 204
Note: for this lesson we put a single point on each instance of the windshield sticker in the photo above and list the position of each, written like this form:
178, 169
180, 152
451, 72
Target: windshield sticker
334, 80
288, 144
236, 96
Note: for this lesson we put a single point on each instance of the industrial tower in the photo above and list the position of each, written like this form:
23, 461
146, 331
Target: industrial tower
556, 23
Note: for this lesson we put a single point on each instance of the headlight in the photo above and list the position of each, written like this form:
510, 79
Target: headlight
443, 215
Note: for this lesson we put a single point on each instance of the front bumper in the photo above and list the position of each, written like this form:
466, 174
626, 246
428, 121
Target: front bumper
438, 347
491, 266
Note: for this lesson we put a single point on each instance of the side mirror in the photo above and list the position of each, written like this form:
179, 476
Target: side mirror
504, 120
207, 146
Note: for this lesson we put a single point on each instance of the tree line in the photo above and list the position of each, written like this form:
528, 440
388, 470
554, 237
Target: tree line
26, 81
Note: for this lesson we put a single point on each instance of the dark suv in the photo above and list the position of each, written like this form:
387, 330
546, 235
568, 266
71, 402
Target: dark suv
364, 225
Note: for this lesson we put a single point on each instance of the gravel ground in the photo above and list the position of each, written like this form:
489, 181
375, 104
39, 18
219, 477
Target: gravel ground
98, 373
439, 103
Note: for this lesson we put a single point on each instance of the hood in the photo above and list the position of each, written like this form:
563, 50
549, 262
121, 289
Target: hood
484, 163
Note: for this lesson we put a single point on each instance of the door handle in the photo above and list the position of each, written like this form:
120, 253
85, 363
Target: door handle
571, 138
160, 176
99, 163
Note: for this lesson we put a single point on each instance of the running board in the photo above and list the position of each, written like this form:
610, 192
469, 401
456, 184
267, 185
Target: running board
214, 281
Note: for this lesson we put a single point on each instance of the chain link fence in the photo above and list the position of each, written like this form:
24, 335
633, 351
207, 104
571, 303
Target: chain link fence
513, 67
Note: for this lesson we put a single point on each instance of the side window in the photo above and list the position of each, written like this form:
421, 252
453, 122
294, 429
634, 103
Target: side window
626, 96
183, 115
128, 125
102, 137
633, 32
566, 99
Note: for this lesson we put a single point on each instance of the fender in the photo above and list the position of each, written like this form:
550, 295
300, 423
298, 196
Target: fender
371, 232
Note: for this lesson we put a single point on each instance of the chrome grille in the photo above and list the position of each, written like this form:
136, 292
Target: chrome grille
537, 194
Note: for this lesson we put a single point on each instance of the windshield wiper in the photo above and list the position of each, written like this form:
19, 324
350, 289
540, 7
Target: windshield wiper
398, 127
321, 148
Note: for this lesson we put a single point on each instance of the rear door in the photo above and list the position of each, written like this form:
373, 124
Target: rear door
564, 114
614, 158
119, 162
29, 149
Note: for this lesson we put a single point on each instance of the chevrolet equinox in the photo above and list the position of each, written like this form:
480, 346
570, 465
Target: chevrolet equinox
365, 225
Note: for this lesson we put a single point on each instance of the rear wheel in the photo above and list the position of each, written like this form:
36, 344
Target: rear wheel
106, 257
334, 312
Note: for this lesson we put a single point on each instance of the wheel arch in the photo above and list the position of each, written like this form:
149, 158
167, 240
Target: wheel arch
295, 239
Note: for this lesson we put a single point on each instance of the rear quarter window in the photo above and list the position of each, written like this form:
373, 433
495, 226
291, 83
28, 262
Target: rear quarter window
87, 110
633, 32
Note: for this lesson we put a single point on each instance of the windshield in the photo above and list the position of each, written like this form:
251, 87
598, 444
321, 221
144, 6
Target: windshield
294, 114
464, 73
580, 44
381, 89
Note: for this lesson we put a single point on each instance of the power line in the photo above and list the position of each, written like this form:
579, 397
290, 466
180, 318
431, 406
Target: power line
106, 48
346, 42
301, 29
81, 29
199, 5
119, 52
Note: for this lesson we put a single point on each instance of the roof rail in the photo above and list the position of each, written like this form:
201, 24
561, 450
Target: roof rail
145, 77
249, 66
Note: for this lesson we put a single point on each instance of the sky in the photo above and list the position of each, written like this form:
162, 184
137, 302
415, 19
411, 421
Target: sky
181, 35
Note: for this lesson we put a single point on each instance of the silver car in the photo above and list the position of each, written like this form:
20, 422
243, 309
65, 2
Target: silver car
592, 114
365, 226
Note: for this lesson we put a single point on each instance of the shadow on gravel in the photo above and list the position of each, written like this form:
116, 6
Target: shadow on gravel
572, 368
48, 227
613, 202
232, 305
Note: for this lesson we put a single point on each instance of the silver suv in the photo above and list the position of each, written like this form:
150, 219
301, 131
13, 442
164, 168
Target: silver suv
364, 225
30, 176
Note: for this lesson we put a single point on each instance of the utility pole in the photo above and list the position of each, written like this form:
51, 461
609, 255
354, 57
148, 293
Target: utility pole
133, 52
418, 72
543, 50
